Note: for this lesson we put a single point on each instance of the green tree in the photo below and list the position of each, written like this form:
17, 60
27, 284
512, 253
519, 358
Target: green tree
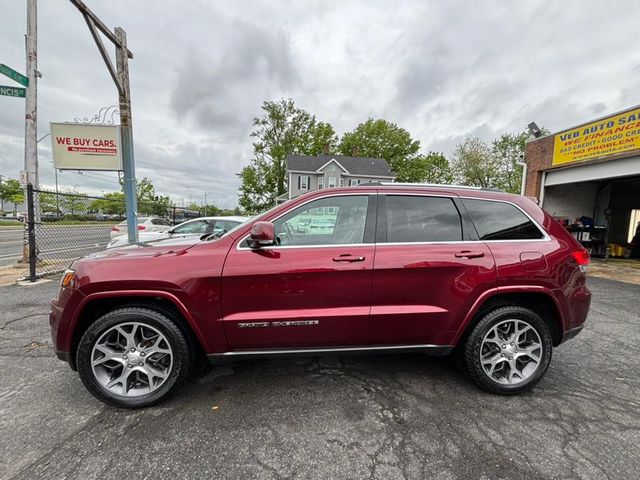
111, 203
11, 191
507, 150
382, 139
47, 202
210, 210
475, 165
435, 168
282, 129
74, 204
149, 202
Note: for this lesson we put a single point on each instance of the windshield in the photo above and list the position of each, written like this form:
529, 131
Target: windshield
241, 225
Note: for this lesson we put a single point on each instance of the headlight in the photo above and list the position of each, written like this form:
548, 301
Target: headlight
68, 278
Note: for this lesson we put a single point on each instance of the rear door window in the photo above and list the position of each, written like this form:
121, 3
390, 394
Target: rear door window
501, 221
422, 219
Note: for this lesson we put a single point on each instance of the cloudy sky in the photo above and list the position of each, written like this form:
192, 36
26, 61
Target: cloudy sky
441, 69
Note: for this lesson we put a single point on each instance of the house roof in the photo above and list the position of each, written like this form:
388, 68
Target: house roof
354, 165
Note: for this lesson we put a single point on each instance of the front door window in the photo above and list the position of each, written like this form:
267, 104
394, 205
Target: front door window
336, 220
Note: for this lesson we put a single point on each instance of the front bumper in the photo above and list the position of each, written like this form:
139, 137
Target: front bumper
60, 313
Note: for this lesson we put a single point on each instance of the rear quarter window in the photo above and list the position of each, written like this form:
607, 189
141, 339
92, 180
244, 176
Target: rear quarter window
496, 220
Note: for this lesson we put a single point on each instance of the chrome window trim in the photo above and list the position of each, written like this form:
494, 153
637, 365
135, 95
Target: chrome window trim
546, 237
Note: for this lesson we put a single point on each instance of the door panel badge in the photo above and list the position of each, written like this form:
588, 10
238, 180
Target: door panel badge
287, 323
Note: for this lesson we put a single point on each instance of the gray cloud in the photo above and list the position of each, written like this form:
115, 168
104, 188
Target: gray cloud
201, 70
226, 78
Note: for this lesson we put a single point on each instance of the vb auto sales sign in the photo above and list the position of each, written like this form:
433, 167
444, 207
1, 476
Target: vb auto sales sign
86, 147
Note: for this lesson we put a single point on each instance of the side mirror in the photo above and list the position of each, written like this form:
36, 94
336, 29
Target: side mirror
262, 234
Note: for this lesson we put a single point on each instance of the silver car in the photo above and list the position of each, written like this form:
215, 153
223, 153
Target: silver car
191, 228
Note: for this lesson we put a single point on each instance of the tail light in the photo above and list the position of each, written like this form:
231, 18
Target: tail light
141, 227
115, 229
581, 257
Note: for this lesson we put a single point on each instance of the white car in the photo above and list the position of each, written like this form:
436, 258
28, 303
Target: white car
145, 224
191, 228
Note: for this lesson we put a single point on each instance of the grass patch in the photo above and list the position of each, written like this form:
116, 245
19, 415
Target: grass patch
10, 223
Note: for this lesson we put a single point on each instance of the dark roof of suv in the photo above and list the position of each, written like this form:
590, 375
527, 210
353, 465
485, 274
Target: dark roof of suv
354, 165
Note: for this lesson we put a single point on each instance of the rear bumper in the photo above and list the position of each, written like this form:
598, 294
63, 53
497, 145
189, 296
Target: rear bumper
569, 334
579, 303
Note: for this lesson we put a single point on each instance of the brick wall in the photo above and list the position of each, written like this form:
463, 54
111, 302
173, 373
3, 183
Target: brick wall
538, 154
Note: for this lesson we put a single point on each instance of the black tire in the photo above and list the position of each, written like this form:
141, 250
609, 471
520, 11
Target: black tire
473, 346
180, 347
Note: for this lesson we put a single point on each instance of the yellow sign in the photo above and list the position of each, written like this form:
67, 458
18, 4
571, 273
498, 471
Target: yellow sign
616, 134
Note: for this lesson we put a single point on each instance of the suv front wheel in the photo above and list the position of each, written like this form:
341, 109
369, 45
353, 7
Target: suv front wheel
132, 357
509, 350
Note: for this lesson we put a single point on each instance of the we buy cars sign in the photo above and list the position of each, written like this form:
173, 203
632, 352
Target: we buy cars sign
86, 147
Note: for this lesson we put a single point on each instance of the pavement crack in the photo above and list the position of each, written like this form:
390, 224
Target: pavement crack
23, 318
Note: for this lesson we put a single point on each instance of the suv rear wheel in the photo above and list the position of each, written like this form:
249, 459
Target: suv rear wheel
509, 350
132, 357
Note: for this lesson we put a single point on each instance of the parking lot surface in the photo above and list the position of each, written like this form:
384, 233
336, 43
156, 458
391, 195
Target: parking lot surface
391, 416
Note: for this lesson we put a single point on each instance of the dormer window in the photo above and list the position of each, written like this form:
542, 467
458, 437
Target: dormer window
332, 167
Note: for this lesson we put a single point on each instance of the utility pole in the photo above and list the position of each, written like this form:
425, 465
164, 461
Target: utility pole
31, 117
31, 100
120, 76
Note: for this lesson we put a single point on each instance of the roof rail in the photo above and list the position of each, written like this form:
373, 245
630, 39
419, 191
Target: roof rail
368, 184
443, 185
430, 185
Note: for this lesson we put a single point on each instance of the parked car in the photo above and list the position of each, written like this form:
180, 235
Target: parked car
485, 275
146, 224
191, 228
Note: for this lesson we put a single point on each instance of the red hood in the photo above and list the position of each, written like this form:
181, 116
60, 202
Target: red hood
150, 249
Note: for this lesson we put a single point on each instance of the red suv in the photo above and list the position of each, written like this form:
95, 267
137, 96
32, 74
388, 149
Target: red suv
373, 268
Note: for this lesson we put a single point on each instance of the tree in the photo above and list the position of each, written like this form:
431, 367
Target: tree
110, 203
149, 203
74, 204
283, 129
475, 165
382, 139
48, 202
11, 191
507, 150
436, 168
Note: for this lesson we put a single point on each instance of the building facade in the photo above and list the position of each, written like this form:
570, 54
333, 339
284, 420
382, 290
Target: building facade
314, 172
588, 176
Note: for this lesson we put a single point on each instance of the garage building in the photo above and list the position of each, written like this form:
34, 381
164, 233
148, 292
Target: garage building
588, 177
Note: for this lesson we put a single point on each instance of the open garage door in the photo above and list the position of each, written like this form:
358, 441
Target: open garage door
602, 212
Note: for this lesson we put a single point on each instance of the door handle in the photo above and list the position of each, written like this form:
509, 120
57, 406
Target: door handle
348, 258
469, 254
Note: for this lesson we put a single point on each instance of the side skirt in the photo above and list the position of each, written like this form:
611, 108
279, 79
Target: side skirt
227, 357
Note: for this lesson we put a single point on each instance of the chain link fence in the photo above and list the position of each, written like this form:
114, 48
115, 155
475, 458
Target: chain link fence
62, 227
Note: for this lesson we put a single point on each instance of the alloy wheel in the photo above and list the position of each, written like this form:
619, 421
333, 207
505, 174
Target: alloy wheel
511, 352
131, 359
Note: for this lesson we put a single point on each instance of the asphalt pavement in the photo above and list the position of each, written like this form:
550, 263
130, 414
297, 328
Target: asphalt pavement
10, 245
56, 243
384, 416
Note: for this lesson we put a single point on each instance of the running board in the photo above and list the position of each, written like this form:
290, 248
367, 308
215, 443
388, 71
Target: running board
226, 357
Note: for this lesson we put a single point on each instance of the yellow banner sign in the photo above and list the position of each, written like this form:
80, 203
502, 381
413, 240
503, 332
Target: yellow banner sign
609, 136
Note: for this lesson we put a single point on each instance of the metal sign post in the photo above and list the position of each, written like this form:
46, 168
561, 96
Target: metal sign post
120, 76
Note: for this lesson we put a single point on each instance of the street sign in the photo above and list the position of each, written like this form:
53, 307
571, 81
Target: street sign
13, 91
13, 75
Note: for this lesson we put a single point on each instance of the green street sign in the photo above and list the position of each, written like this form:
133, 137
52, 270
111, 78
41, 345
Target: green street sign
13, 75
13, 91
